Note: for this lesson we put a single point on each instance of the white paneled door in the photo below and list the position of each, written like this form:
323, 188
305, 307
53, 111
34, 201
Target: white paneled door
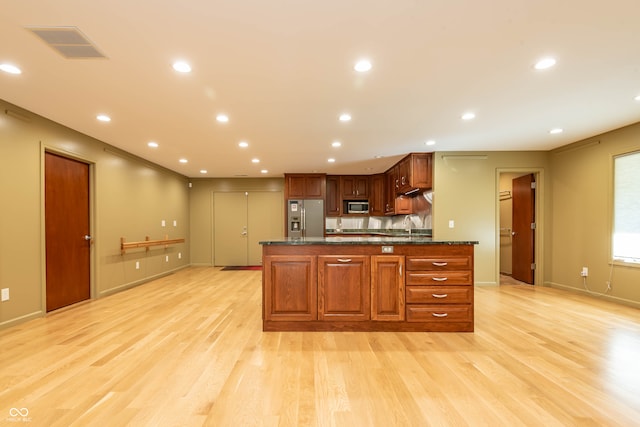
241, 219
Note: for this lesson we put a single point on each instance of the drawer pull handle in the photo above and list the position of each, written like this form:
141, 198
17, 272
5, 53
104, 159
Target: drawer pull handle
440, 264
440, 279
344, 259
439, 295
439, 314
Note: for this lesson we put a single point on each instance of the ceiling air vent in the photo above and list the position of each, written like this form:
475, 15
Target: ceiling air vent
68, 41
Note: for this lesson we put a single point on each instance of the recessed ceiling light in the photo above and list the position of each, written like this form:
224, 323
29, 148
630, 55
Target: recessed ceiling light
545, 63
556, 130
430, 142
222, 118
203, 171
362, 66
183, 161
152, 144
182, 67
336, 144
637, 98
10, 68
264, 171
103, 118
332, 160
378, 157
468, 116
344, 117
255, 160
243, 144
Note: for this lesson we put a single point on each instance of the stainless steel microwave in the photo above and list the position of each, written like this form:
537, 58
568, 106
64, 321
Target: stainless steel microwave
358, 207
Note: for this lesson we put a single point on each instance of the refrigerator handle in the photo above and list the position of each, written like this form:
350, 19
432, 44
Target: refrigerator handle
304, 220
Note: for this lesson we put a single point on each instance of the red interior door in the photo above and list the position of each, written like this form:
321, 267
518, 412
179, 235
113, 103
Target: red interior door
67, 229
523, 216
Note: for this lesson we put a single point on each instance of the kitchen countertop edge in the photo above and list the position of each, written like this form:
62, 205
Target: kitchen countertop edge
345, 240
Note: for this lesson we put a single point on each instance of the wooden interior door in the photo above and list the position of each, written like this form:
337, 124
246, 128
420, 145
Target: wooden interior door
230, 228
523, 217
67, 231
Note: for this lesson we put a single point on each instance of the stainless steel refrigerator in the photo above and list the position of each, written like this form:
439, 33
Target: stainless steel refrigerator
305, 218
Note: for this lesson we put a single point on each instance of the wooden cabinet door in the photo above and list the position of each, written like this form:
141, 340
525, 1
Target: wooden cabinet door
344, 287
387, 288
389, 205
422, 171
361, 185
290, 288
315, 186
333, 202
377, 198
404, 175
304, 186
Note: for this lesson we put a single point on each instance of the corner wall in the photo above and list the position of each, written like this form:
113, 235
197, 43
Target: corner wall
130, 197
466, 190
582, 180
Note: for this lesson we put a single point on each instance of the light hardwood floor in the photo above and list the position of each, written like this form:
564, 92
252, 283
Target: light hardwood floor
188, 350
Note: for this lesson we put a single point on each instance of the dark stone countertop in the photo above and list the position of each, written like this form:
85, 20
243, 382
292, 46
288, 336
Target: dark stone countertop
424, 232
371, 240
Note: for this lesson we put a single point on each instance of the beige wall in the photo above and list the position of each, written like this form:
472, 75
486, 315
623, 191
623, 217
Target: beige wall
130, 198
201, 209
581, 216
466, 190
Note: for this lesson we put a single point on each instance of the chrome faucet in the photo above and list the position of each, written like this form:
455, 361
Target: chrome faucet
407, 223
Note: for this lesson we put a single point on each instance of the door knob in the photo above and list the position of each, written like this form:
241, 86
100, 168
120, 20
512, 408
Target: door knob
87, 237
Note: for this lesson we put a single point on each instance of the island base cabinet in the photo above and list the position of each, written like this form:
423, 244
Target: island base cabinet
290, 288
343, 287
387, 288
390, 287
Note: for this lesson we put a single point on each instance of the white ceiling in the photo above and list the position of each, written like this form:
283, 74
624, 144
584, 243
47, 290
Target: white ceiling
283, 72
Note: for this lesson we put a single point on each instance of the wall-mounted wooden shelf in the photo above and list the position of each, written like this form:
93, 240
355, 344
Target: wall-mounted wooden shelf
147, 243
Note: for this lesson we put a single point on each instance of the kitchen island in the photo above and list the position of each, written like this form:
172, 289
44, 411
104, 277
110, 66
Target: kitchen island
343, 283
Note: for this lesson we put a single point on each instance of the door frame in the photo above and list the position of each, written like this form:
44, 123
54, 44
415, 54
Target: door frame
45, 148
538, 173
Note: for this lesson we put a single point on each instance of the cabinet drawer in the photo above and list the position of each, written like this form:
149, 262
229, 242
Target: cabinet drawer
438, 277
440, 313
439, 294
438, 263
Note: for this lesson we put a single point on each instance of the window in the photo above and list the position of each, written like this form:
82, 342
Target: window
626, 207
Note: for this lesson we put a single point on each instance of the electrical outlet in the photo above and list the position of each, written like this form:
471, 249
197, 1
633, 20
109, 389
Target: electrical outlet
584, 272
137, 265
5, 294
179, 255
451, 223
166, 258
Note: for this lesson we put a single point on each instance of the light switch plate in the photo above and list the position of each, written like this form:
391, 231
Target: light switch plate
5, 294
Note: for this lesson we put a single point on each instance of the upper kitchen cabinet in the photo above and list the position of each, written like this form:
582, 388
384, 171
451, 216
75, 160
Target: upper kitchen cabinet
415, 172
305, 186
333, 201
377, 197
354, 187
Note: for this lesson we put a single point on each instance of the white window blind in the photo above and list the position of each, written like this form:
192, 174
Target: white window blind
626, 208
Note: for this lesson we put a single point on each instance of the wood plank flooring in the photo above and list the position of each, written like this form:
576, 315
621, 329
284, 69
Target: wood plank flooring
188, 350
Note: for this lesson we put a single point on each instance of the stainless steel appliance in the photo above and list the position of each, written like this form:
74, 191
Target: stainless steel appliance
305, 218
358, 206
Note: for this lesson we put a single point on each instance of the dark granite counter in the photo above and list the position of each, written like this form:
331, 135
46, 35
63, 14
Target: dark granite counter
370, 240
424, 232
